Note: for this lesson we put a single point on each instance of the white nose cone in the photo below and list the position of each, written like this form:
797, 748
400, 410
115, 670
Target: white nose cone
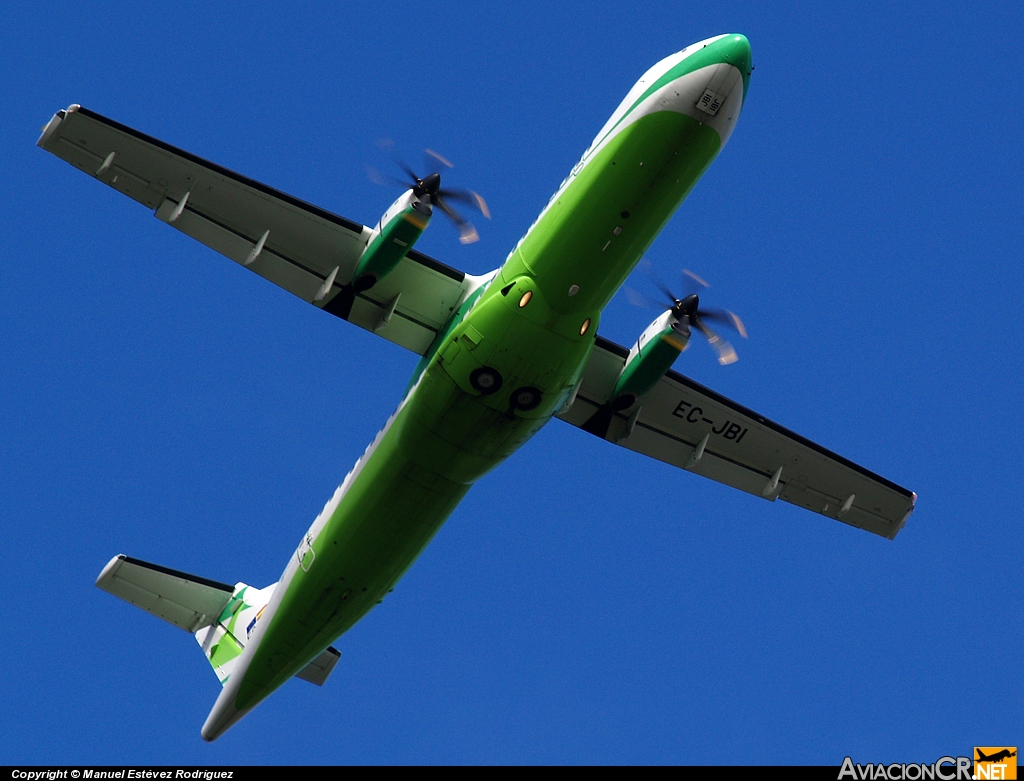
714, 91
706, 81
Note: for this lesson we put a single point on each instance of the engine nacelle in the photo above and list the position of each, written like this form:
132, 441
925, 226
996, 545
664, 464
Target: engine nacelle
651, 357
396, 232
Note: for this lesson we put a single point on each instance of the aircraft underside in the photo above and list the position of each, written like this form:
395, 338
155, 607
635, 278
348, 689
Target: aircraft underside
501, 356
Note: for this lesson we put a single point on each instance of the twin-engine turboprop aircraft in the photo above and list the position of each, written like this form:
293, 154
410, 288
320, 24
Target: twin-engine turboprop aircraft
502, 354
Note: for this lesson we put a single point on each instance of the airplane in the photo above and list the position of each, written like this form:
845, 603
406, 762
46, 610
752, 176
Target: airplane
997, 757
501, 355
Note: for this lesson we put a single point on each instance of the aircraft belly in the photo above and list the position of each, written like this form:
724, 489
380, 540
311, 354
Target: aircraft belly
383, 522
597, 229
444, 437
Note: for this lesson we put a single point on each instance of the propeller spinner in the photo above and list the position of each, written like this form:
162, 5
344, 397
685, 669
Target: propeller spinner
429, 189
688, 310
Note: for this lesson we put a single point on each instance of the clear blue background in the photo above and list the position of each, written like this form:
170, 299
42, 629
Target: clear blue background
583, 604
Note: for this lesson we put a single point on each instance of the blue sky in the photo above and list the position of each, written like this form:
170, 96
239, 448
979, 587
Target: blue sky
583, 604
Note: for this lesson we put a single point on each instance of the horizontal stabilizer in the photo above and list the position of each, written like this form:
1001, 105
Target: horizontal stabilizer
187, 601
221, 617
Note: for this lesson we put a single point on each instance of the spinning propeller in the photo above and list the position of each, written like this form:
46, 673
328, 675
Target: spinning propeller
429, 189
687, 309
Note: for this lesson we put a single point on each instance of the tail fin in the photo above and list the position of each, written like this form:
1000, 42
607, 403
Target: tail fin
221, 617
224, 640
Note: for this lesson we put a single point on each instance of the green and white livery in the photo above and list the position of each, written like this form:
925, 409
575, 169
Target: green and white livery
222, 617
501, 354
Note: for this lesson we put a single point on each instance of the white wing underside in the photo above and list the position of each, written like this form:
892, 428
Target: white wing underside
293, 244
742, 449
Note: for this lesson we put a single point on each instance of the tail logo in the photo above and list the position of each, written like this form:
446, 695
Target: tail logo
252, 624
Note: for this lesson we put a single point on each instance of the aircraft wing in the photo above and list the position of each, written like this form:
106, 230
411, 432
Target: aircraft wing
306, 250
687, 425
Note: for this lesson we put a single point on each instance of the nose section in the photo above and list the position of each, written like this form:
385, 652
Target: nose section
735, 50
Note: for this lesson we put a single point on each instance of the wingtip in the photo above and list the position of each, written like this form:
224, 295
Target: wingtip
906, 516
108, 570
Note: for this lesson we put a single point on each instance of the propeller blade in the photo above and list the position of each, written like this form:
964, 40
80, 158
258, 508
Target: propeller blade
665, 290
726, 352
467, 233
429, 188
438, 157
636, 299
694, 277
481, 204
388, 146
642, 301
725, 317
692, 284
737, 323
658, 283
688, 309
453, 215
376, 176
384, 179
467, 197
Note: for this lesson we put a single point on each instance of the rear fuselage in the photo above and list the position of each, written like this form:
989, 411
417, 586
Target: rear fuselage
506, 364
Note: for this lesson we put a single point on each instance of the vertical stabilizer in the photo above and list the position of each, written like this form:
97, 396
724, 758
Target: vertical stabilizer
221, 617
224, 640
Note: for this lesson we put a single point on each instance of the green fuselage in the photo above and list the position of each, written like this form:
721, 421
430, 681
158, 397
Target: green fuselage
446, 433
